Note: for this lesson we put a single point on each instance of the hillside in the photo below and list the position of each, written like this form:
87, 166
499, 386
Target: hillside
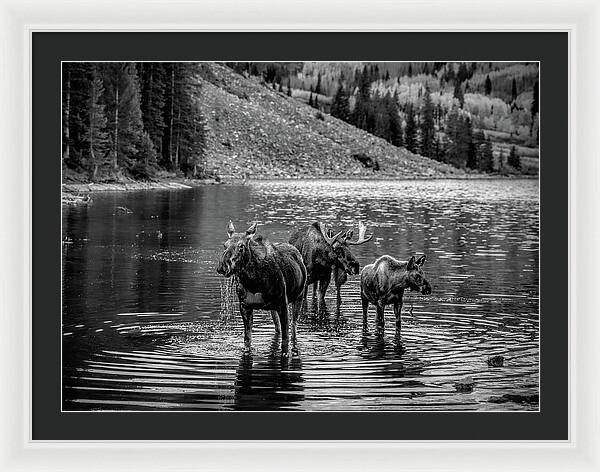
255, 131
499, 99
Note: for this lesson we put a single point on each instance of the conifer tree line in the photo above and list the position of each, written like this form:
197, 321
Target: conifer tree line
367, 97
452, 141
131, 119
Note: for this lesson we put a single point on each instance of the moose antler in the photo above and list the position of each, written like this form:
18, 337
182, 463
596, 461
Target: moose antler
230, 229
362, 229
330, 239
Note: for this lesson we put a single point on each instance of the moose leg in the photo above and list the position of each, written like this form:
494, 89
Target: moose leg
323, 284
296, 307
397, 311
365, 308
314, 296
380, 321
276, 322
246, 313
285, 332
338, 298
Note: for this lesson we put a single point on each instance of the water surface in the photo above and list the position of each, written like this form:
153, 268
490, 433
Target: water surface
147, 324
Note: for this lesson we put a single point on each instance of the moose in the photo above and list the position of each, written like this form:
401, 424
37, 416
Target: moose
324, 252
383, 283
270, 276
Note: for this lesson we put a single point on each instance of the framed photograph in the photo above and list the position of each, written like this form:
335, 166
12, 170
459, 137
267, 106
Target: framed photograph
362, 241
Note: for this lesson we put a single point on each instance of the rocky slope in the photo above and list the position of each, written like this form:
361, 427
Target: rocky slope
257, 132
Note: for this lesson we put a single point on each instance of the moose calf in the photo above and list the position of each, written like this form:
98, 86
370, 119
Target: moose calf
383, 283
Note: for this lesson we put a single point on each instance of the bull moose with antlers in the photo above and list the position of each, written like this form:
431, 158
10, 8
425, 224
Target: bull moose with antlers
324, 252
269, 277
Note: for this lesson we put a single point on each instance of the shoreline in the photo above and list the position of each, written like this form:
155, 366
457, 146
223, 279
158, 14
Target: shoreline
78, 188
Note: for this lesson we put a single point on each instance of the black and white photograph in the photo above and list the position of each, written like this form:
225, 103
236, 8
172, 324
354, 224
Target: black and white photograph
300, 236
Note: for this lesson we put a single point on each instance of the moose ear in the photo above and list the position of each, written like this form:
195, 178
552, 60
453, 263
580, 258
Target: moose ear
411, 264
421, 260
230, 229
349, 234
250, 232
330, 233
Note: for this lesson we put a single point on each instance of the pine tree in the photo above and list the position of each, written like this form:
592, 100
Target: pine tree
535, 107
410, 132
310, 100
152, 91
382, 119
471, 145
289, 88
449, 75
316, 104
488, 85
395, 126
463, 73
123, 112
318, 88
427, 125
535, 104
513, 158
189, 129
514, 90
439, 149
458, 93
478, 144
458, 139
361, 107
77, 78
340, 106
96, 135
486, 161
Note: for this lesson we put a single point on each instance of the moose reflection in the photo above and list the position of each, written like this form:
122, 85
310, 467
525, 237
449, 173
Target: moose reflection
275, 379
383, 283
324, 252
269, 277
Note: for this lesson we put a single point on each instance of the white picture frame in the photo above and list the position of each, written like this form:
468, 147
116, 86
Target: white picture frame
18, 19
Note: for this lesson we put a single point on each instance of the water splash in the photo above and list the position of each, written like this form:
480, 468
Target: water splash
228, 297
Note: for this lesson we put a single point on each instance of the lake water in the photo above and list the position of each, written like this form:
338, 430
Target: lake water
147, 323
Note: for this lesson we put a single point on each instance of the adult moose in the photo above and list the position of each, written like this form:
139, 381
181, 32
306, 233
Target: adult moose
383, 283
269, 277
324, 252
340, 276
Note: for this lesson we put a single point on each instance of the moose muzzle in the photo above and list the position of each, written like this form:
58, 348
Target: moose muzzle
426, 288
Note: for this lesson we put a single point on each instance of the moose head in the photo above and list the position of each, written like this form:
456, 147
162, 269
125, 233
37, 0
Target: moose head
237, 250
415, 278
339, 244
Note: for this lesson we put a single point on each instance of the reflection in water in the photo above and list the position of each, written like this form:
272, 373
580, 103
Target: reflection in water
145, 326
276, 381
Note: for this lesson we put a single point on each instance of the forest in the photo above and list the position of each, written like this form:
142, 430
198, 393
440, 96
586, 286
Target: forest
138, 120
481, 115
131, 119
